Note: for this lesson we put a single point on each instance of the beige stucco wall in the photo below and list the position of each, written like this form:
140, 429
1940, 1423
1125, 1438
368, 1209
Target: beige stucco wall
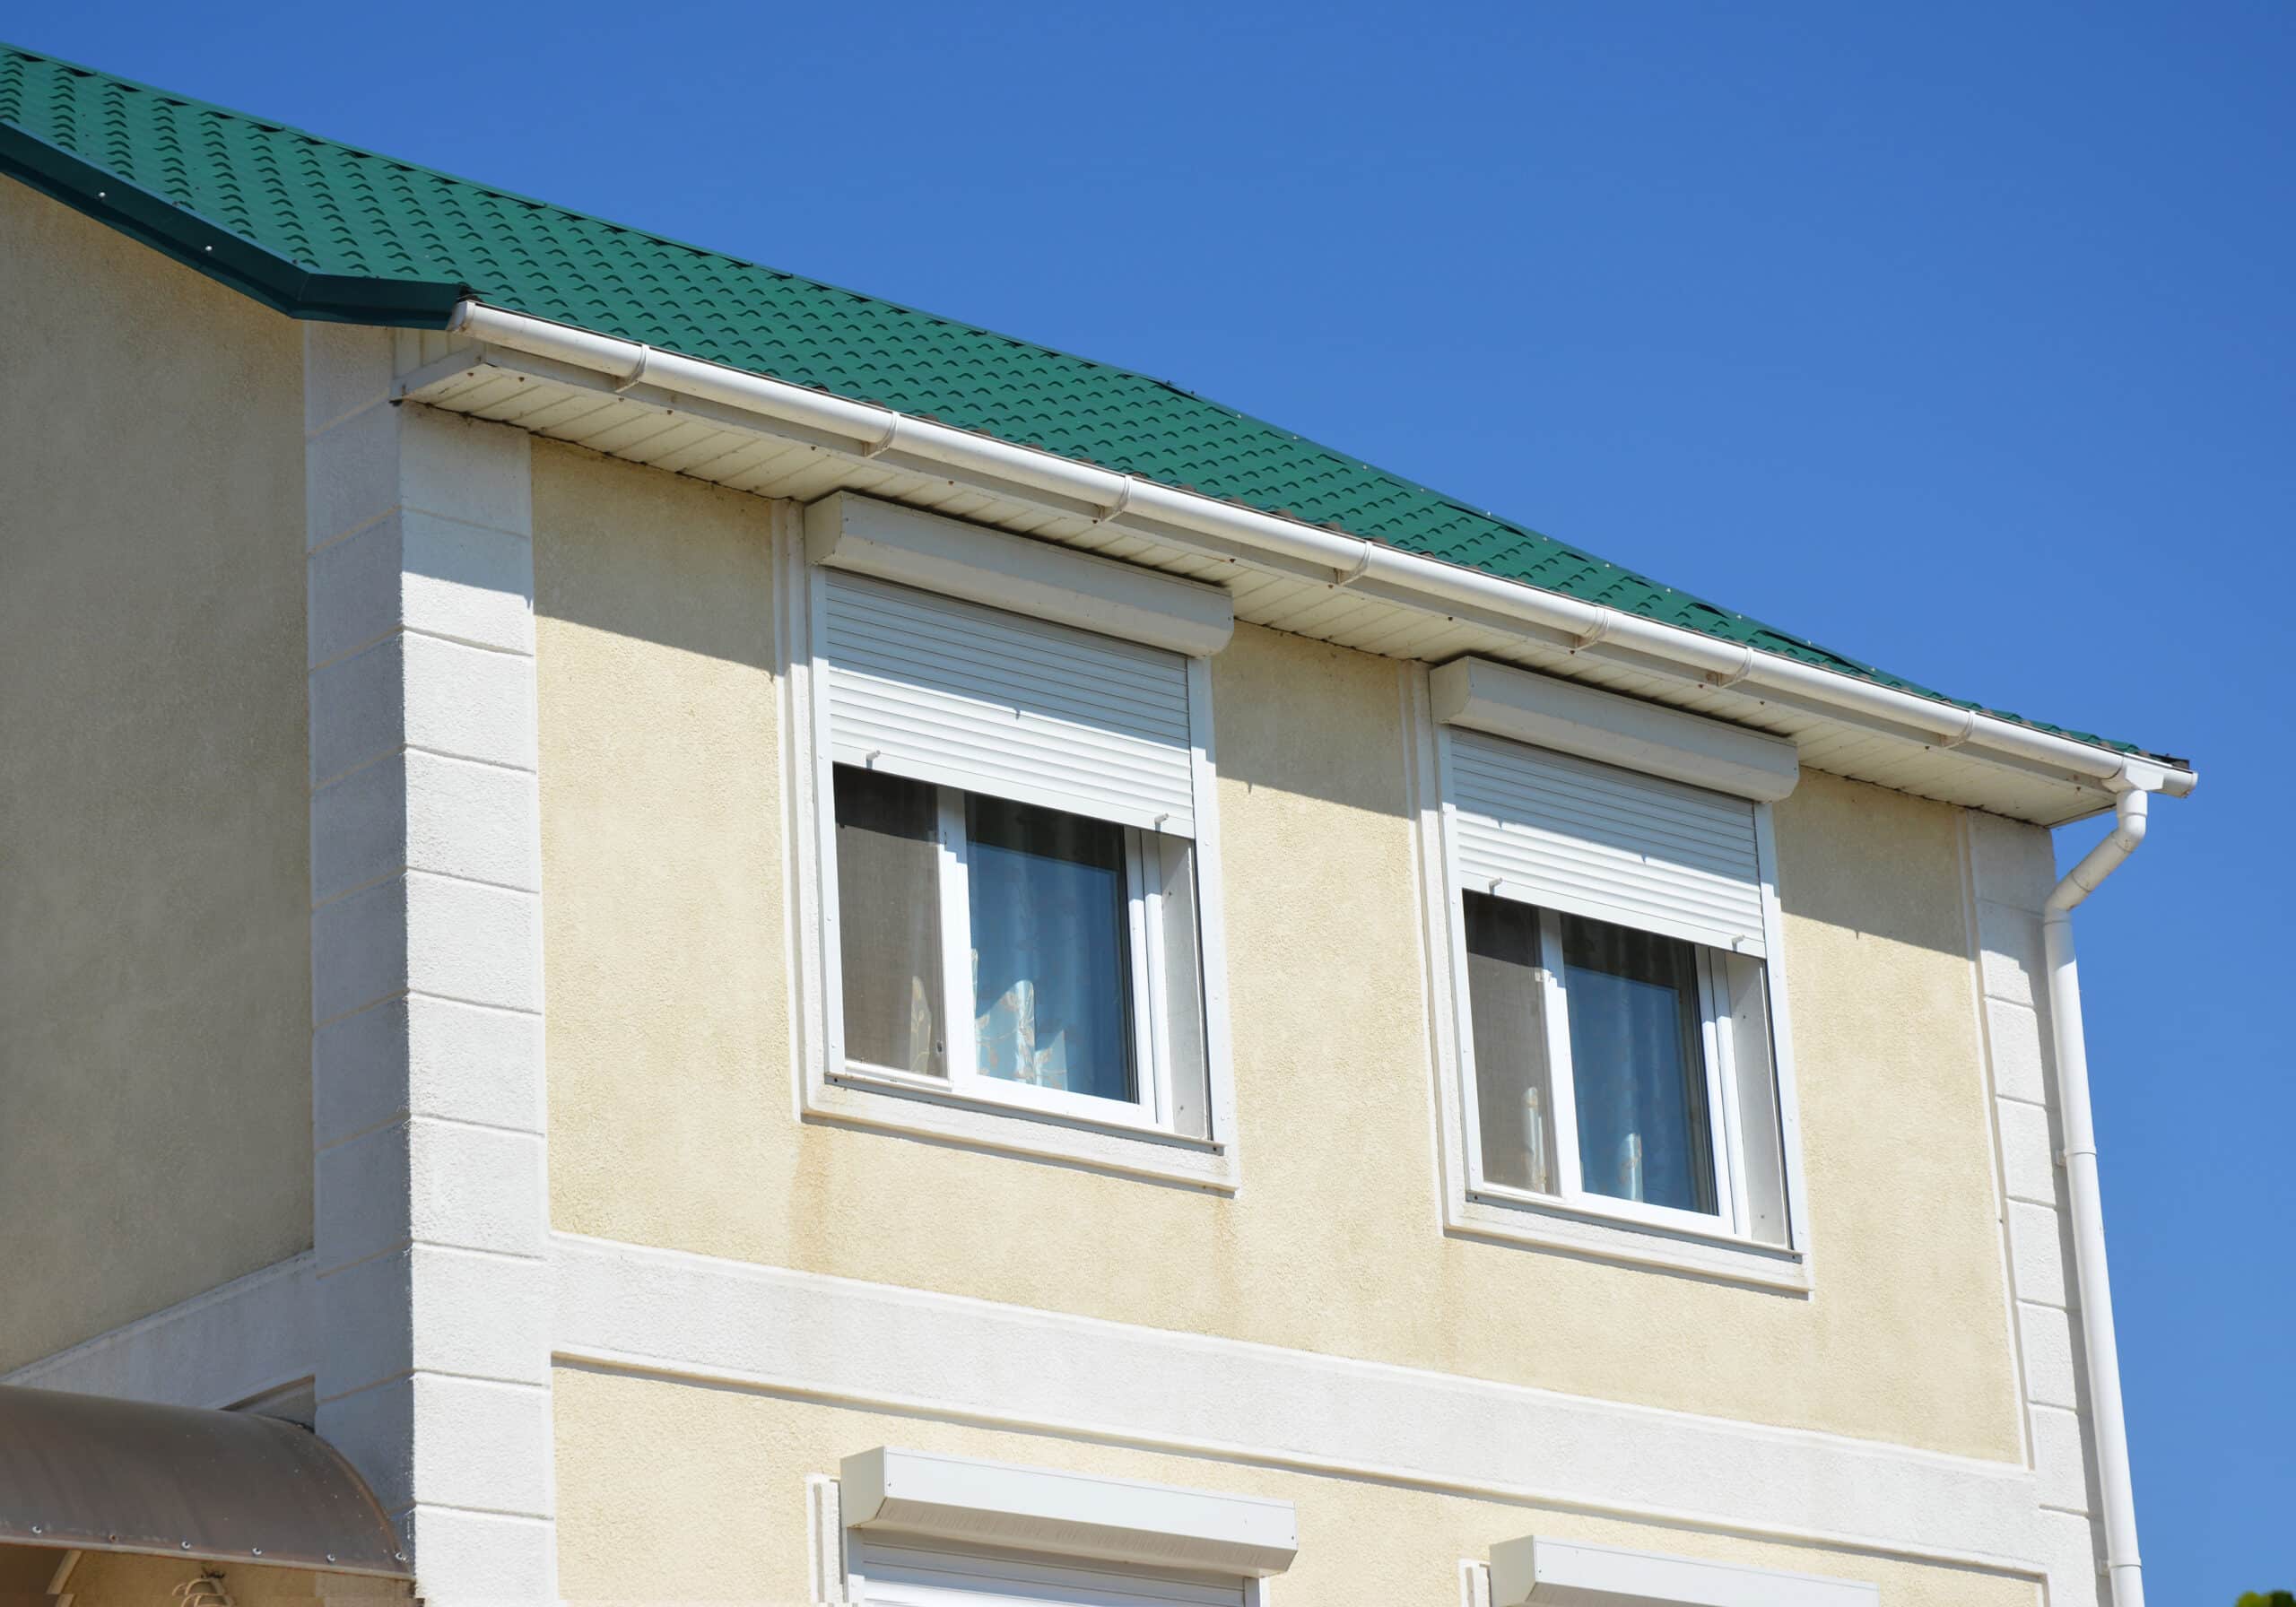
661, 896
669, 1492
673, 1104
154, 924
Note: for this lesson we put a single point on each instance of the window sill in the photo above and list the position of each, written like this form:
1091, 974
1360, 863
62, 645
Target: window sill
1598, 1236
899, 1103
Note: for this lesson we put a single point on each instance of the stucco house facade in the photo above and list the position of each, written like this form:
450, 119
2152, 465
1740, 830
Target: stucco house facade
746, 945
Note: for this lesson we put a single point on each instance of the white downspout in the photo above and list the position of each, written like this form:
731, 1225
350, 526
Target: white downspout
2102, 1354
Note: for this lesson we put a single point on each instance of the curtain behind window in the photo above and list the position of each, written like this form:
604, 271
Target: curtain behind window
889, 911
1051, 961
1637, 1065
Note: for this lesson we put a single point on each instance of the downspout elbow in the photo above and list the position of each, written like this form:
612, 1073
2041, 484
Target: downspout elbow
2130, 811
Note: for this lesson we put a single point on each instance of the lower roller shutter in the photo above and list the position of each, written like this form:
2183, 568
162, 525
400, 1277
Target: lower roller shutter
934, 1574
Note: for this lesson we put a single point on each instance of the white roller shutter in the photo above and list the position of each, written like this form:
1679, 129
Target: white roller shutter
1590, 839
940, 689
928, 1574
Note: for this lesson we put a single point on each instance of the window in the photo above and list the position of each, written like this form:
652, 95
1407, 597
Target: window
1009, 935
1019, 952
1604, 936
1612, 1066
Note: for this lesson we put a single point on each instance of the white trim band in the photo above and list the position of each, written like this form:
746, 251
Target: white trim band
877, 1347
883, 1348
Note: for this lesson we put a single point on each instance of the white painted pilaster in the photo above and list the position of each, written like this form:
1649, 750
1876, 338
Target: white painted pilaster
2012, 872
431, 1228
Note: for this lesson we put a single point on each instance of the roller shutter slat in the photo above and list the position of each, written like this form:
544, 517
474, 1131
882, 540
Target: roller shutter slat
938, 689
1590, 839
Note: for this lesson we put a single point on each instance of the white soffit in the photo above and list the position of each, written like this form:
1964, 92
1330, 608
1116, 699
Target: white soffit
1072, 1515
1532, 1572
1548, 713
647, 424
1046, 582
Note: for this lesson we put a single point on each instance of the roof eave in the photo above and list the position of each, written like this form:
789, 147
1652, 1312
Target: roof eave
279, 282
871, 435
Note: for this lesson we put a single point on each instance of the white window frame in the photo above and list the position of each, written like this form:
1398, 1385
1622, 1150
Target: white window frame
1151, 1107
1572, 1219
1721, 1101
1135, 1139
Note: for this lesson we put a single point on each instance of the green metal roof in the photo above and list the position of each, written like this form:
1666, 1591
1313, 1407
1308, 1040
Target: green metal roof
319, 229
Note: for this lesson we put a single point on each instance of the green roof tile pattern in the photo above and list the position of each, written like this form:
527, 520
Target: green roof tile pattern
320, 230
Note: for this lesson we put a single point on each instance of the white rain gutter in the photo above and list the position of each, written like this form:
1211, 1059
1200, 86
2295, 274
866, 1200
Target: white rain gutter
2102, 1352
1161, 512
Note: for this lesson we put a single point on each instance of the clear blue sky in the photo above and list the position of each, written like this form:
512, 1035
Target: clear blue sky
1961, 337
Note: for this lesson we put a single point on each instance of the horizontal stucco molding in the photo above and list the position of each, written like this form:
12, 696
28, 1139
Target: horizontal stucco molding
876, 1346
873, 1345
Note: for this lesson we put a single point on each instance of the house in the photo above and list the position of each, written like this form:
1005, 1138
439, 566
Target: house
695, 937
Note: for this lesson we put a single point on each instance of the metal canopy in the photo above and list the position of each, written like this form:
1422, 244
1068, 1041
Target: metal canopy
109, 1475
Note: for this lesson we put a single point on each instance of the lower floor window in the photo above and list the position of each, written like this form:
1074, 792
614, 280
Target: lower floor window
1622, 1067
1018, 952
928, 1573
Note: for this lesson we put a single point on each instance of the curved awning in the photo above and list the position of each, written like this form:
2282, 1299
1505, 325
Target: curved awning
100, 1474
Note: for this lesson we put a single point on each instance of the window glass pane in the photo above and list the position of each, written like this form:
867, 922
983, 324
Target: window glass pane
1172, 859
889, 912
1050, 951
1762, 1147
1507, 1005
1638, 1066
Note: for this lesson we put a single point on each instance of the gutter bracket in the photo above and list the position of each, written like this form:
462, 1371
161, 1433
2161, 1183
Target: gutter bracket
1722, 683
637, 375
1116, 510
892, 429
1605, 622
